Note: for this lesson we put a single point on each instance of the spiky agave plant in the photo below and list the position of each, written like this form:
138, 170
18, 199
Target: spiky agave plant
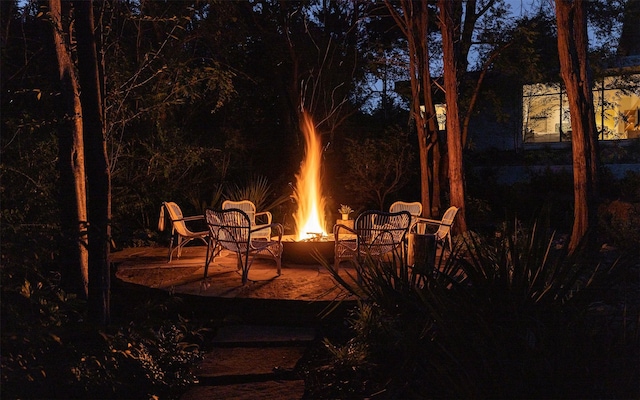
516, 323
258, 190
506, 318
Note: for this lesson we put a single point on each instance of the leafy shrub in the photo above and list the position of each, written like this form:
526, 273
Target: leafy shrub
49, 351
619, 224
379, 166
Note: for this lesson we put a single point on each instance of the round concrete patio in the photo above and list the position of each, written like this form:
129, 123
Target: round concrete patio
148, 266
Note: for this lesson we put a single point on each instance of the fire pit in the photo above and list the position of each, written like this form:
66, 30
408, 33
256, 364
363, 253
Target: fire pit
311, 238
307, 251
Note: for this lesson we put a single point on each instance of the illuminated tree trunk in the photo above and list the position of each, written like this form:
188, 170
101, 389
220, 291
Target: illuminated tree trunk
574, 68
71, 162
97, 165
454, 136
414, 23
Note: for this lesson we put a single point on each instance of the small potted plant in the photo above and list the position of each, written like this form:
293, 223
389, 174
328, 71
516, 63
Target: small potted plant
345, 210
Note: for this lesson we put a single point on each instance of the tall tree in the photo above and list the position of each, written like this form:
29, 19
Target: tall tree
574, 67
454, 134
412, 18
478, 23
97, 165
71, 158
82, 92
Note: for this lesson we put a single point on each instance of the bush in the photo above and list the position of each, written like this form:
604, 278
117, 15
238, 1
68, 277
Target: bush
49, 351
619, 223
513, 316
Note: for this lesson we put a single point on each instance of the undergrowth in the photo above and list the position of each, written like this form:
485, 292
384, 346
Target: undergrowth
510, 316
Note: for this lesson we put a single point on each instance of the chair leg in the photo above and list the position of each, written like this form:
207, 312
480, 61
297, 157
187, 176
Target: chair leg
181, 243
171, 247
210, 256
212, 251
245, 269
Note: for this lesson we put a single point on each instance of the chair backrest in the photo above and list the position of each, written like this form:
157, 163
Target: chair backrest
245, 205
230, 228
447, 221
380, 232
175, 214
414, 208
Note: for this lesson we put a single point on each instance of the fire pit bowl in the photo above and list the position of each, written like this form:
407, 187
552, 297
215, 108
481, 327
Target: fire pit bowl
306, 251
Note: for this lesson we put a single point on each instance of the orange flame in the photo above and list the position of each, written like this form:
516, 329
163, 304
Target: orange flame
308, 194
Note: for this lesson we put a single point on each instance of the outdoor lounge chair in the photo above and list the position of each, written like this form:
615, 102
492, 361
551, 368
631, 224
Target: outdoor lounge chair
232, 230
443, 232
414, 208
374, 235
180, 233
258, 219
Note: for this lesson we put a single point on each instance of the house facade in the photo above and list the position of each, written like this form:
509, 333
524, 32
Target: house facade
533, 121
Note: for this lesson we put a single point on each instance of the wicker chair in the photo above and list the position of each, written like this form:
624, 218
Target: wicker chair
374, 235
414, 208
180, 233
443, 232
258, 219
232, 230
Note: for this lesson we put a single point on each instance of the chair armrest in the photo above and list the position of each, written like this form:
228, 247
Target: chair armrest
429, 221
194, 218
263, 214
340, 227
276, 227
424, 221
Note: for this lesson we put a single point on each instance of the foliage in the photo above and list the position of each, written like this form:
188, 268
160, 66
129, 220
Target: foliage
49, 351
614, 152
173, 169
534, 39
619, 223
258, 190
351, 366
629, 187
379, 166
506, 316
345, 209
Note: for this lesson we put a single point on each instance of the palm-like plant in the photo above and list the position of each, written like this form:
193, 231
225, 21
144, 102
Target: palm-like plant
504, 317
258, 191
515, 319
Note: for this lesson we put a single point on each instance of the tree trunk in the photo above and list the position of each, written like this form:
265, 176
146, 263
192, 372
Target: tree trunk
71, 162
414, 23
97, 166
574, 68
454, 136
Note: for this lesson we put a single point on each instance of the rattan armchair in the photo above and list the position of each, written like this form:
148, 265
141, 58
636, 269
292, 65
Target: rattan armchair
232, 230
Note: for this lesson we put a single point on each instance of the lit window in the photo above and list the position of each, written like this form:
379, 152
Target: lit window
441, 115
546, 117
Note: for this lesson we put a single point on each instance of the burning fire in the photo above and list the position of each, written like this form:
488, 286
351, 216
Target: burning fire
308, 194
